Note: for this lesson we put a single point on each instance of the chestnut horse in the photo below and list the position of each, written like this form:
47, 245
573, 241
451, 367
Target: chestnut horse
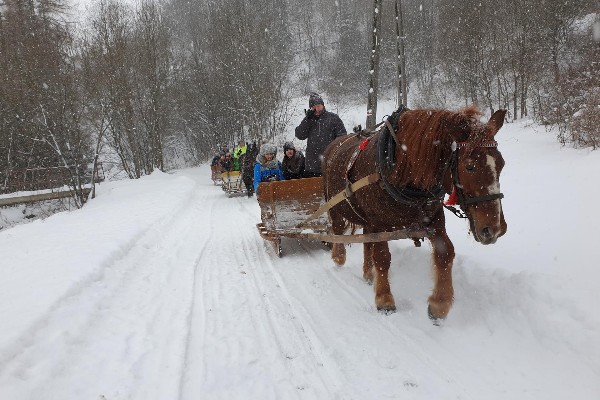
428, 153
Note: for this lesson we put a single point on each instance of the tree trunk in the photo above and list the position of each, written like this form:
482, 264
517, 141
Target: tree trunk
374, 70
400, 38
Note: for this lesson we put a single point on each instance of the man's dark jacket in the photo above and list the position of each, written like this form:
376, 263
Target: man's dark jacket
293, 168
320, 131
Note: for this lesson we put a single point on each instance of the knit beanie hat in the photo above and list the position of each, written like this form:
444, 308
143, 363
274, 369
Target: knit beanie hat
288, 145
268, 148
315, 99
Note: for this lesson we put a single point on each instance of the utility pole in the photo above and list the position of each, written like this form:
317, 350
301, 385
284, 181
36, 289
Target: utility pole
374, 70
401, 61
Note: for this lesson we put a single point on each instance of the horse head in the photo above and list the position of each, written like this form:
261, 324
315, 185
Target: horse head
476, 174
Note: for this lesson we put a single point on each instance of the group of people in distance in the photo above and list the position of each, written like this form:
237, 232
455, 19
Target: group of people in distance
319, 127
242, 160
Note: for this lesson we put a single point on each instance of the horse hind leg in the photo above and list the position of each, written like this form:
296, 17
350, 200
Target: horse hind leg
338, 251
442, 295
381, 265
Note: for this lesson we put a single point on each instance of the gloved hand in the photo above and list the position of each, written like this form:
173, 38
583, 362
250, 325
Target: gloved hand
310, 113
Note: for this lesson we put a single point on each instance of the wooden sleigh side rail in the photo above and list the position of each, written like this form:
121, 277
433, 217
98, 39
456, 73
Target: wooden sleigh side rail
346, 239
367, 237
285, 204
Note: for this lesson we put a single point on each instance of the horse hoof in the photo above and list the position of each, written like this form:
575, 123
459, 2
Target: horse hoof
339, 260
368, 276
435, 320
386, 310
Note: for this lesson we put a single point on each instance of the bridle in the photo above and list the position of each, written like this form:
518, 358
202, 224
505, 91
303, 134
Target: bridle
463, 200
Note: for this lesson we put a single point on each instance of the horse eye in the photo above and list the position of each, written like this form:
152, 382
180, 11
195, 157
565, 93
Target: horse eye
470, 167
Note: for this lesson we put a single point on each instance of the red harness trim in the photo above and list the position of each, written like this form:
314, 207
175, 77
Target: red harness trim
361, 147
364, 144
453, 199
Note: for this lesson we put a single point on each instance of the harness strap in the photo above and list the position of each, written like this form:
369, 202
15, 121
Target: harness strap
480, 199
368, 132
341, 196
391, 131
354, 157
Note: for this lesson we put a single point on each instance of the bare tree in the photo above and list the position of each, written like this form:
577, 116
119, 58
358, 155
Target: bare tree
41, 108
151, 44
109, 61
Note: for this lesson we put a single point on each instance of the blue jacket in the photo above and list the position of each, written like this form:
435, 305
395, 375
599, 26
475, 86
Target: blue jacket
262, 174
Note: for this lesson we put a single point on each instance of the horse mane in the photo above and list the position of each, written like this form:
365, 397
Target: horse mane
425, 138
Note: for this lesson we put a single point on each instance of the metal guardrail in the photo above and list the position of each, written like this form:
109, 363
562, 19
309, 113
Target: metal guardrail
11, 201
32, 179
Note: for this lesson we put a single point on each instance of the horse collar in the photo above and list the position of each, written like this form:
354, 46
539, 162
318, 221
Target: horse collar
386, 160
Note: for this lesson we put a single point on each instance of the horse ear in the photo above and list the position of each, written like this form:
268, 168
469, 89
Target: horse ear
497, 120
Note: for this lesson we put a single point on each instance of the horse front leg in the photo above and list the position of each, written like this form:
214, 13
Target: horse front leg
368, 262
381, 265
442, 295
338, 250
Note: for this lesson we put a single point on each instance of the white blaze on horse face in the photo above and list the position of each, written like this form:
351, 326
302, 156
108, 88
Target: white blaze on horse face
494, 187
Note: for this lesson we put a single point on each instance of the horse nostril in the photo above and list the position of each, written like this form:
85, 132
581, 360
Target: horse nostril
485, 232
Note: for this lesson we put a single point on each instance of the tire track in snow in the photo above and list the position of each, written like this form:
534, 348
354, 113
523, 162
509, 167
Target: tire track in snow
197, 307
303, 355
303, 320
237, 354
211, 315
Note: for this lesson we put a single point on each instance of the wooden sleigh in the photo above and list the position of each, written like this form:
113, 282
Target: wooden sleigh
287, 209
216, 175
233, 184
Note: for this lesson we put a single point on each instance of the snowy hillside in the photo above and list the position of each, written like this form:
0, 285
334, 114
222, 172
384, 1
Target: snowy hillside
161, 288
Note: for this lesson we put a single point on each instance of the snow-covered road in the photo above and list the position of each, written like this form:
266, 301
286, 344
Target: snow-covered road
162, 289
